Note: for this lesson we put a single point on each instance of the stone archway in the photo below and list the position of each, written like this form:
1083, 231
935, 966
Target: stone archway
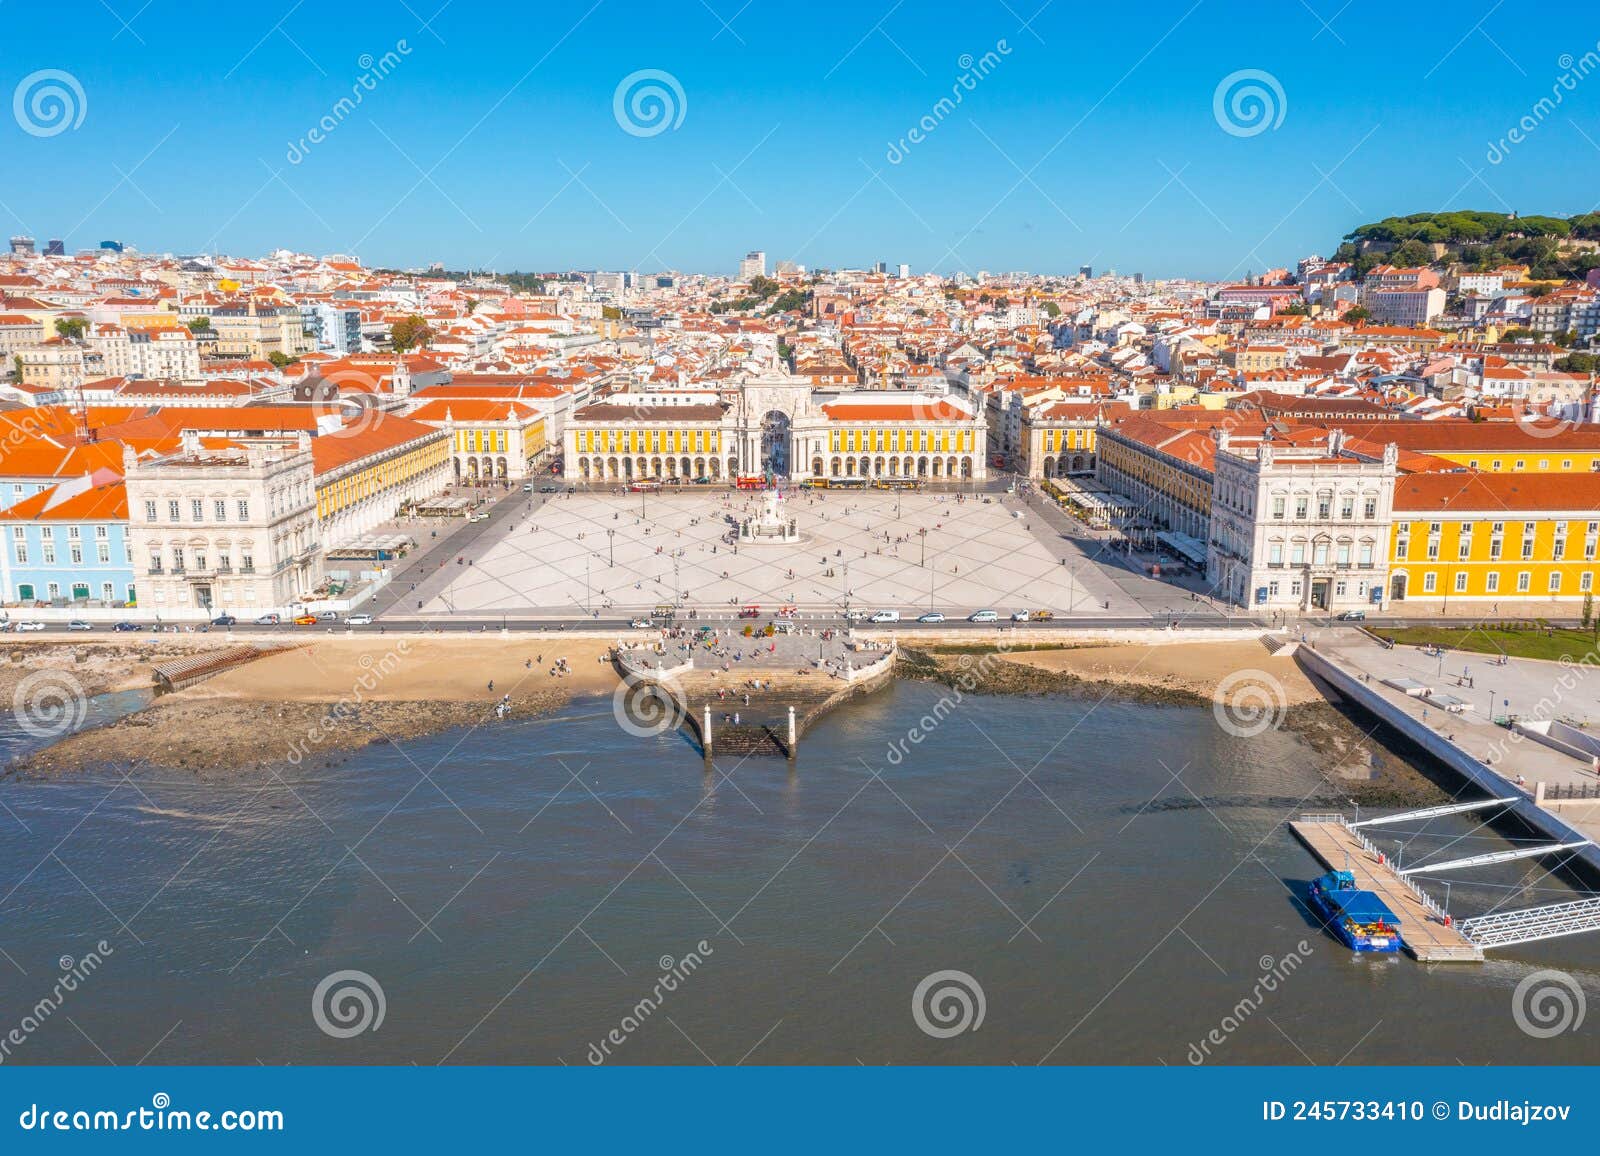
776, 443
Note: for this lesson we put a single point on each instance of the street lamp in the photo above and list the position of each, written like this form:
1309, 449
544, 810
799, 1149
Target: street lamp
611, 545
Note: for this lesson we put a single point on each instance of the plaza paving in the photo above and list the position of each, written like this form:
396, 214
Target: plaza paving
863, 547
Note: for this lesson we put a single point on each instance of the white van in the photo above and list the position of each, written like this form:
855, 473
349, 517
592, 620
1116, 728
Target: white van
983, 616
885, 616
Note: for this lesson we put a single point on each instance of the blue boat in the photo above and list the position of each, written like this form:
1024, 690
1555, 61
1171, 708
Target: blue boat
1359, 918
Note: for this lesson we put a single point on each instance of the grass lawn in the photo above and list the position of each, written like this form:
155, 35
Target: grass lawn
1572, 644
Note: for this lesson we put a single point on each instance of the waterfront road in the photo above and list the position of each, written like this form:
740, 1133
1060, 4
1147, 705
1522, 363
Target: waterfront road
720, 617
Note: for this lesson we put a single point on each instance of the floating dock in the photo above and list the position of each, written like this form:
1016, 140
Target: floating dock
1422, 926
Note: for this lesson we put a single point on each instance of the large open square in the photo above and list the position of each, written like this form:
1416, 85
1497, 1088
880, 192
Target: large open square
910, 552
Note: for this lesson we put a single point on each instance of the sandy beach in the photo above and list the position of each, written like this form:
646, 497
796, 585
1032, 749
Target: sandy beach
314, 702
1196, 668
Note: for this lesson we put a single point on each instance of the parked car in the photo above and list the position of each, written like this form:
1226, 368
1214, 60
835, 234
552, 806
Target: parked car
856, 616
641, 624
124, 627
359, 620
1021, 616
527, 487
328, 616
224, 620
1353, 616
30, 626
983, 616
268, 620
931, 616
549, 489
80, 624
885, 616
305, 620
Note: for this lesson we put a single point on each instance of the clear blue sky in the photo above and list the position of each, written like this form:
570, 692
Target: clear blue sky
493, 141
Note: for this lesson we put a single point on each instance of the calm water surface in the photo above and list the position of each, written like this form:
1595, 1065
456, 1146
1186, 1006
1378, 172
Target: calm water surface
519, 902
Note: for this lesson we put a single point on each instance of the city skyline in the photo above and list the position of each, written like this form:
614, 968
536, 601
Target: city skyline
1005, 140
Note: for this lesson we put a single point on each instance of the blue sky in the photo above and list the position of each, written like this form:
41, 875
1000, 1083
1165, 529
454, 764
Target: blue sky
492, 141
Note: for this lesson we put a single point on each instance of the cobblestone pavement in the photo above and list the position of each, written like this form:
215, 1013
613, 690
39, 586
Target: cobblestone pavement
617, 553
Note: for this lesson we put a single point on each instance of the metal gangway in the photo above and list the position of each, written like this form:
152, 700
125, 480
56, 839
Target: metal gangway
1501, 928
1549, 922
1494, 857
1435, 812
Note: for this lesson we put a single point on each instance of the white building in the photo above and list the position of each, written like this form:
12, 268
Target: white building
231, 529
754, 265
1300, 529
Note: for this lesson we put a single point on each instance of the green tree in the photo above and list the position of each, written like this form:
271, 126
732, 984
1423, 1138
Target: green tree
198, 324
1411, 252
280, 359
1578, 363
71, 328
1357, 315
1051, 309
410, 333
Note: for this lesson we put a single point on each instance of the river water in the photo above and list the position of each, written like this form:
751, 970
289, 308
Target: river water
1114, 878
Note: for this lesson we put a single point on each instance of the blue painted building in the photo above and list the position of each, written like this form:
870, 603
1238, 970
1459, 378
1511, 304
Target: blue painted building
69, 544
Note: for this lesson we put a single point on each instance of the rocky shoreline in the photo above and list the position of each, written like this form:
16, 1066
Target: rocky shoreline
1358, 765
991, 672
215, 737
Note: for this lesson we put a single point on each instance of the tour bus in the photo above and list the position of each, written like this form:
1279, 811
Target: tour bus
897, 484
847, 483
644, 486
751, 482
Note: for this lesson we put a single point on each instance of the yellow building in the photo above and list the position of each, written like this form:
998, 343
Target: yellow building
1494, 538
609, 441
367, 470
927, 439
489, 439
1493, 446
1058, 438
1165, 469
